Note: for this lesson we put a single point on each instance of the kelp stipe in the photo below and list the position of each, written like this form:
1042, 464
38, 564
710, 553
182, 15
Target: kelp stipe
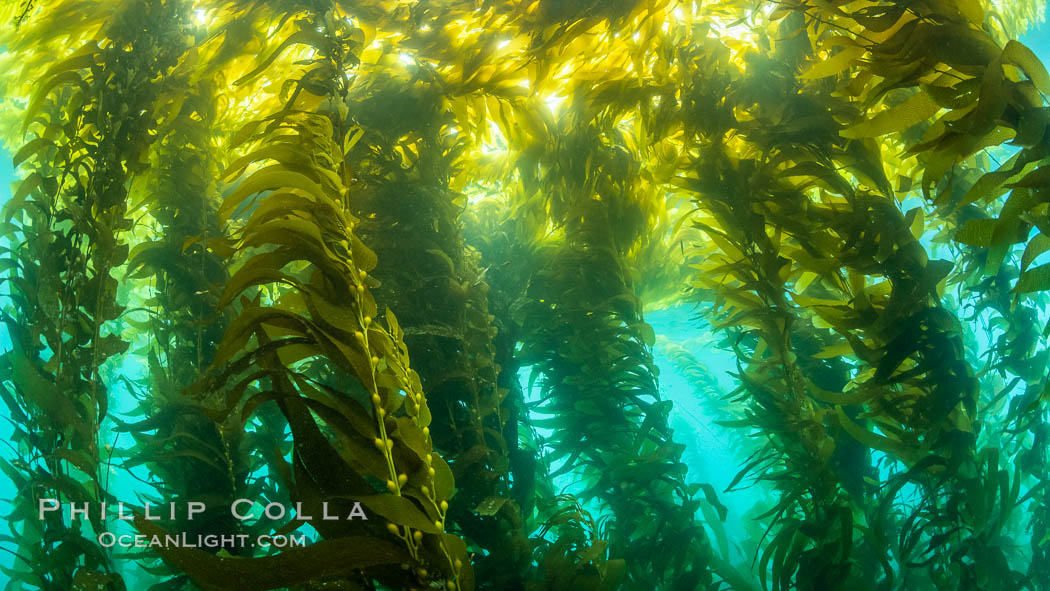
579, 314
356, 409
192, 457
926, 422
441, 301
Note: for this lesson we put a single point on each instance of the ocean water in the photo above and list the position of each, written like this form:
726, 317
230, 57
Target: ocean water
698, 373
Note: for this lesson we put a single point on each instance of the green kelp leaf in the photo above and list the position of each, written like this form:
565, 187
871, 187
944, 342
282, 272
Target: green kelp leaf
27, 186
457, 549
1035, 247
13, 407
777, 547
1021, 56
8, 264
714, 523
399, 510
1038, 178
977, 232
364, 257
47, 396
874, 441
646, 332
444, 483
249, 276
30, 148
988, 187
81, 460
292, 567
489, 506
1035, 279
74, 489
712, 499
1031, 127
615, 573
916, 109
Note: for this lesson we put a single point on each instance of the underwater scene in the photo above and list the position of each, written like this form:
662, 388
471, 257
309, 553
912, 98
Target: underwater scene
524, 295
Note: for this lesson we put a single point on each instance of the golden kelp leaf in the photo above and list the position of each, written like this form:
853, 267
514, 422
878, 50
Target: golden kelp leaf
44, 90
999, 135
364, 257
1021, 56
245, 325
972, 10
305, 37
64, 71
270, 178
615, 573
804, 280
918, 223
840, 398
916, 109
281, 205
836, 64
353, 135
273, 151
1004, 234
839, 349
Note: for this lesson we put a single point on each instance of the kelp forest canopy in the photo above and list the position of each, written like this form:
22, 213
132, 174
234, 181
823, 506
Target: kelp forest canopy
402, 253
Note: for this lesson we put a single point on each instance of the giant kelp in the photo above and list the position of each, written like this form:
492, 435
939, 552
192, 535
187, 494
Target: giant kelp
331, 234
66, 228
